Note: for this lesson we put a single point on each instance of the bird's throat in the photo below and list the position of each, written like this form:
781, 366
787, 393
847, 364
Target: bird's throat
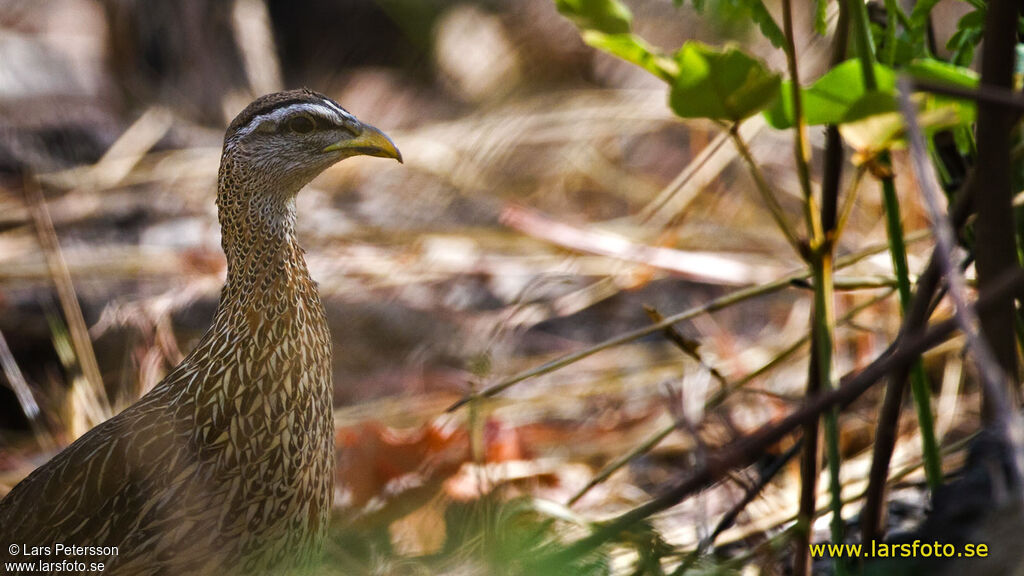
267, 277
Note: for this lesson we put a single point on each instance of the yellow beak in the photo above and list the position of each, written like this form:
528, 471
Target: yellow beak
370, 142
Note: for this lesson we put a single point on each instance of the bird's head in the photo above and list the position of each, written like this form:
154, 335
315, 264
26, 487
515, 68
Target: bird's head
283, 140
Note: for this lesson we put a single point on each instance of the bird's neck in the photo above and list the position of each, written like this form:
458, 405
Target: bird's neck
267, 276
257, 235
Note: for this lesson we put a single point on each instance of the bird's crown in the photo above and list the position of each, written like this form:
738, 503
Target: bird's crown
270, 110
307, 126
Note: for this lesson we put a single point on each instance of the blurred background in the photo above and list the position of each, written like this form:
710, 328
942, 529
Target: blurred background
548, 195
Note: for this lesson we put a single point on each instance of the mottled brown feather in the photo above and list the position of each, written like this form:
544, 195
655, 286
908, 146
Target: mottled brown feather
225, 467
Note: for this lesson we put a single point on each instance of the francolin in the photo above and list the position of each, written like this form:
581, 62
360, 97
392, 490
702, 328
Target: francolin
226, 466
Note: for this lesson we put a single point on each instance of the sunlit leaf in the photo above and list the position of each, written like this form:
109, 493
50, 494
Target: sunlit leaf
607, 16
949, 74
633, 49
878, 132
830, 98
942, 73
721, 85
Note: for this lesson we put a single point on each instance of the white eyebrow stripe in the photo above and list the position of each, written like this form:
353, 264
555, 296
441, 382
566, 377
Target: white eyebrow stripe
327, 110
341, 111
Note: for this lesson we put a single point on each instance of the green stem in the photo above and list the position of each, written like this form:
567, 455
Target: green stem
801, 145
919, 386
820, 260
863, 43
894, 228
824, 312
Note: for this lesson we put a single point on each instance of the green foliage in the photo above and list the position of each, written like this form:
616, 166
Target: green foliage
929, 69
650, 548
919, 16
869, 119
730, 85
942, 72
834, 98
732, 11
820, 15
515, 538
765, 22
720, 85
705, 82
606, 16
877, 132
633, 49
889, 45
969, 31
894, 49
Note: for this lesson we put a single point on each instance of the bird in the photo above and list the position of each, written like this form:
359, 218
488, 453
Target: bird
226, 465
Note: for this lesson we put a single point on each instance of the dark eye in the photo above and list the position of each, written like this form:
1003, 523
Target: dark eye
301, 125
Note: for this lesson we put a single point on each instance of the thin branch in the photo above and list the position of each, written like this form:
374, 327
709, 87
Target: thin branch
801, 144
714, 401
712, 306
767, 195
850, 200
820, 377
982, 94
745, 451
995, 242
80, 339
994, 380
729, 518
873, 511
29, 406
686, 345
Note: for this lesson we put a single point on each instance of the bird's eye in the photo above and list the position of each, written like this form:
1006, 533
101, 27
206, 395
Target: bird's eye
301, 125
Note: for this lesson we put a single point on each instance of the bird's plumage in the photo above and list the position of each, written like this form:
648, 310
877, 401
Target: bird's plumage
225, 467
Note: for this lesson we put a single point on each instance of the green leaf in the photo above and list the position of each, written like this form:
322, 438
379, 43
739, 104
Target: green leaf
821, 17
633, 49
607, 16
830, 99
970, 29
878, 132
868, 105
919, 15
942, 73
945, 73
961, 45
720, 85
766, 23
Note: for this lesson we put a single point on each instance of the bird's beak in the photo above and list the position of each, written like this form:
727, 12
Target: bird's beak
369, 142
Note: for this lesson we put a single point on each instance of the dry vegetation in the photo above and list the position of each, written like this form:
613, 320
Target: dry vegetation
548, 196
